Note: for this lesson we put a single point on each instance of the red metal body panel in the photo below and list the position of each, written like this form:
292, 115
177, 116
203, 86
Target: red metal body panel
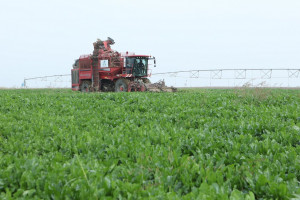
110, 73
87, 56
75, 87
139, 56
85, 74
125, 75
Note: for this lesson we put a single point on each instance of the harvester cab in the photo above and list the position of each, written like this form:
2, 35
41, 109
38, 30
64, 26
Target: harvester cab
137, 65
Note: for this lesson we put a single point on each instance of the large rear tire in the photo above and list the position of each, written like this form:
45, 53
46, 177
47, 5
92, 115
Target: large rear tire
86, 86
146, 81
121, 85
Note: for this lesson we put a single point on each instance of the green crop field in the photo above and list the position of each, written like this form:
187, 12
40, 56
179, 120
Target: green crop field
193, 144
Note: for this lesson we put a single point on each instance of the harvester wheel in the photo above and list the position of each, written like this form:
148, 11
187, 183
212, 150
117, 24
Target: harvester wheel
143, 87
86, 86
146, 80
121, 85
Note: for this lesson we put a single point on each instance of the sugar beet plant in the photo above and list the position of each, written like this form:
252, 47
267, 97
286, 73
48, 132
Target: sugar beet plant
193, 144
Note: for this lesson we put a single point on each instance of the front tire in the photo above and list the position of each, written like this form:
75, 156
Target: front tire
86, 86
121, 85
146, 81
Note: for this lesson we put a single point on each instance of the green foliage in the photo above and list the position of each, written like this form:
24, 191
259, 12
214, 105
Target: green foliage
194, 144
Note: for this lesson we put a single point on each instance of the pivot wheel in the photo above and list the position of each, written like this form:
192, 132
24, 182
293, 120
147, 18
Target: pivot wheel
85, 86
121, 85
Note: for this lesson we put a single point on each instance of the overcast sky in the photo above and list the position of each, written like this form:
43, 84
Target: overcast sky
40, 37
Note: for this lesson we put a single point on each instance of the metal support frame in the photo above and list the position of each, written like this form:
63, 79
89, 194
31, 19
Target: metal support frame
194, 74
57, 78
216, 74
174, 74
259, 77
266, 74
240, 74
293, 73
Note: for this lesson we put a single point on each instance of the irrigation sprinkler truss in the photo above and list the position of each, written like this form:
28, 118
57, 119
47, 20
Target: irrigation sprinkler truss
216, 74
238, 75
57, 78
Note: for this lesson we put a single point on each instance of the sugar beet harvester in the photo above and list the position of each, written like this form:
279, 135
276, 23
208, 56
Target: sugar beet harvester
108, 70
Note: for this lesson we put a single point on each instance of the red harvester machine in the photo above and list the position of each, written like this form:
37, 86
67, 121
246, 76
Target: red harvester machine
108, 70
